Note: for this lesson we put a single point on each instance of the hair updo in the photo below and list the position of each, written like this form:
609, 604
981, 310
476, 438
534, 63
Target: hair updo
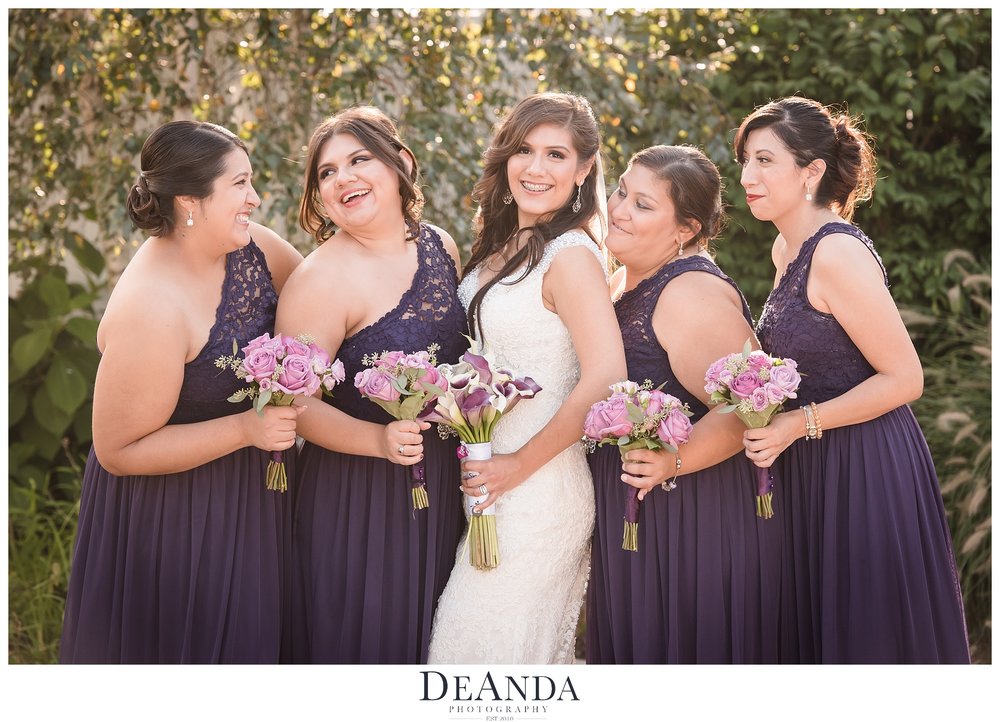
693, 184
180, 158
810, 131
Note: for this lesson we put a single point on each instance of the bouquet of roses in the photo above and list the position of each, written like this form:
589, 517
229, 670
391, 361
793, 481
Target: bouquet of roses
403, 384
637, 417
479, 392
277, 370
753, 385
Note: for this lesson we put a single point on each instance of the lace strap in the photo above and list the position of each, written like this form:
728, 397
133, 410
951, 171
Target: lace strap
566, 240
430, 236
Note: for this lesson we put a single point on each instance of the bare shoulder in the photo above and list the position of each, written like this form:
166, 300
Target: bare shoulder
576, 258
843, 258
694, 289
281, 256
147, 300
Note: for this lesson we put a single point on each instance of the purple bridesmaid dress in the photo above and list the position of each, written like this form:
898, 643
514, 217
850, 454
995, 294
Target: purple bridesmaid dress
703, 586
868, 572
186, 567
368, 569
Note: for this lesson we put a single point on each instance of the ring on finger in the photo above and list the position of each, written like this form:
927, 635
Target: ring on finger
399, 449
483, 491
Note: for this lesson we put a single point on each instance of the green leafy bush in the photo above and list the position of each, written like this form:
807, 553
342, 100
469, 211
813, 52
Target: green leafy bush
88, 86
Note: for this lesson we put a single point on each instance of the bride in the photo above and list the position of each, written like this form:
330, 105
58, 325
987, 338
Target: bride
536, 294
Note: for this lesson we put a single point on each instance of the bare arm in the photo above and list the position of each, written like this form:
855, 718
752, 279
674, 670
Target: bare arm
698, 319
315, 301
578, 292
281, 256
138, 383
845, 280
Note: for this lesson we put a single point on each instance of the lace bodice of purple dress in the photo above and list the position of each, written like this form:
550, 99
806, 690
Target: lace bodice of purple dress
644, 356
429, 312
245, 311
790, 327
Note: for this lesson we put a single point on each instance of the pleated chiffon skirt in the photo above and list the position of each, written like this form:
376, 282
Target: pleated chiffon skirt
179, 568
368, 568
868, 575
702, 587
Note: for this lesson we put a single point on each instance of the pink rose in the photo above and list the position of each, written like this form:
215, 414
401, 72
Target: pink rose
296, 376
759, 399
675, 428
260, 364
652, 401
293, 347
758, 360
774, 393
744, 384
374, 384
713, 375
433, 377
608, 418
389, 360
786, 378
320, 358
337, 371
265, 342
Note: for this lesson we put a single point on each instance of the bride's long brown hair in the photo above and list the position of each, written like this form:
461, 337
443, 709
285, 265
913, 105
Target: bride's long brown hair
496, 223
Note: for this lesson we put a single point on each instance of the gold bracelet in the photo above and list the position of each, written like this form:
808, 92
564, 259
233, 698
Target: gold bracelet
810, 424
819, 425
672, 484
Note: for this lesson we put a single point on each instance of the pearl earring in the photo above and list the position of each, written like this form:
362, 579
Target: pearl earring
190, 220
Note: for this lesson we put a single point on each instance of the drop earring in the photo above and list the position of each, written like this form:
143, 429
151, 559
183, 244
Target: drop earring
680, 250
809, 195
507, 198
190, 220
577, 204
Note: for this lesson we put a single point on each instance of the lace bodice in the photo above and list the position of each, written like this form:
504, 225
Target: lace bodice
429, 312
525, 336
644, 356
245, 311
527, 608
789, 326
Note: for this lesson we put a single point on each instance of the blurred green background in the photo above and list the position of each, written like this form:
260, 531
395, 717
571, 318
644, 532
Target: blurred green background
87, 86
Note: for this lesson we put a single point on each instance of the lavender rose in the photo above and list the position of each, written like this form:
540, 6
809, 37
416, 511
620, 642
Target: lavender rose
260, 363
759, 399
675, 428
608, 418
744, 384
786, 378
375, 384
297, 376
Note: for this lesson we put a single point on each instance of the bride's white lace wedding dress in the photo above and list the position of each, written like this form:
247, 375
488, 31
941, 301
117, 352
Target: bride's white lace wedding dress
525, 610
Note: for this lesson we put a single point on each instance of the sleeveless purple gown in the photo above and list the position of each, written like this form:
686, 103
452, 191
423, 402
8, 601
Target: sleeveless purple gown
703, 586
868, 572
367, 568
186, 567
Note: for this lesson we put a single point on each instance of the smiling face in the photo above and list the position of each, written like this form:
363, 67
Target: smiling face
225, 214
643, 228
774, 183
358, 190
544, 173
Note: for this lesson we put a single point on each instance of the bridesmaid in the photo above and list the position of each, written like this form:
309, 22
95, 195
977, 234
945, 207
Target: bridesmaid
368, 568
702, 587
179, 548
869, 575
